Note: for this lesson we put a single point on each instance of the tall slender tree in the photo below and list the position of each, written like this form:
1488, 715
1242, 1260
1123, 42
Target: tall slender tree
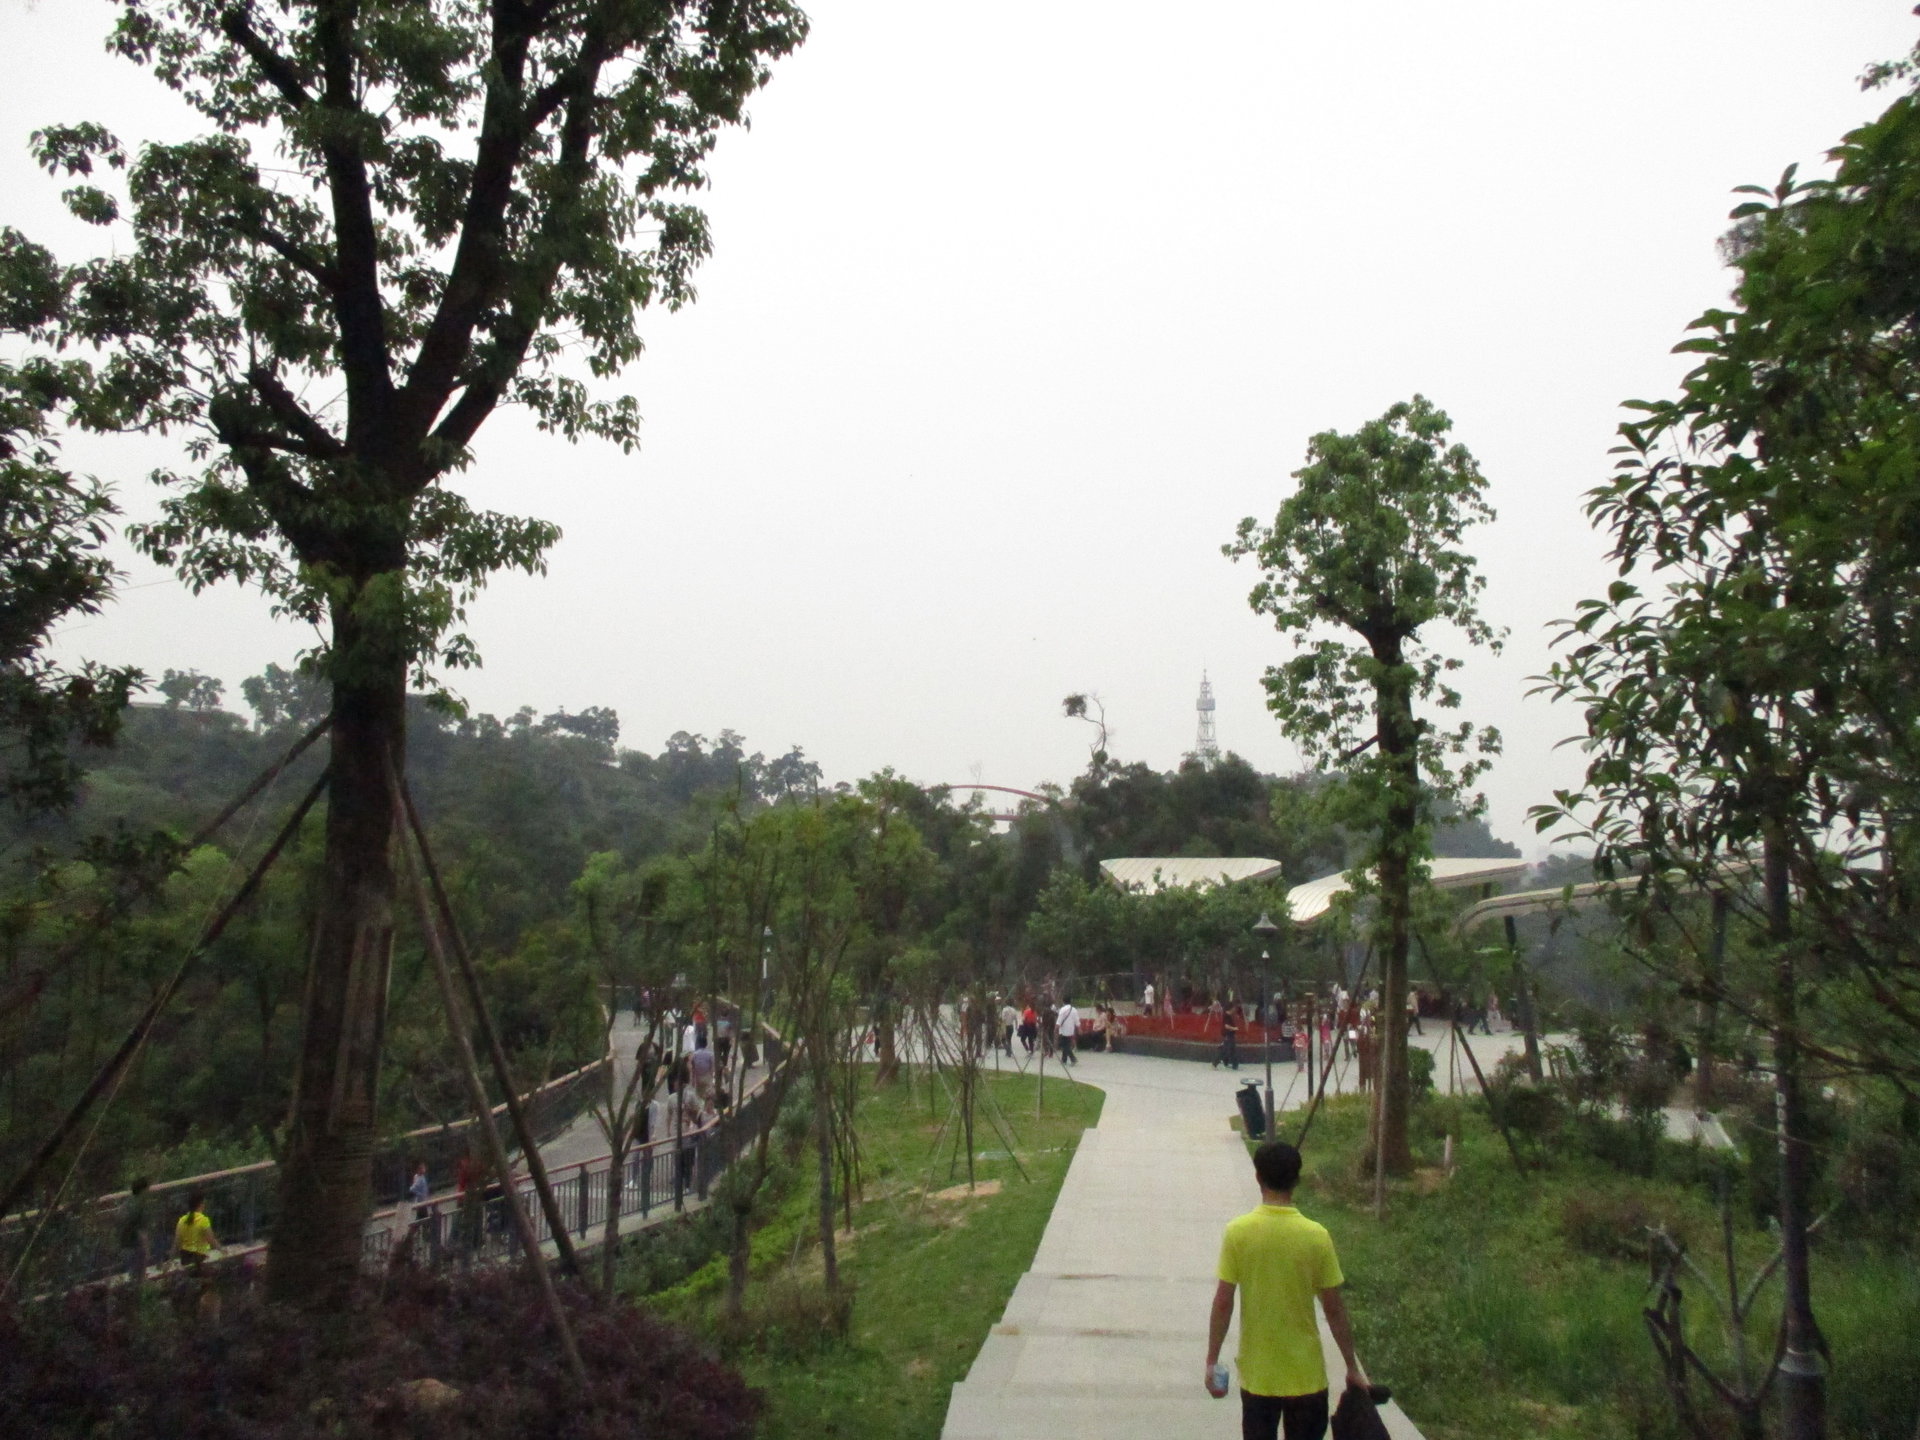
1369, 545
407, 213
1749, 679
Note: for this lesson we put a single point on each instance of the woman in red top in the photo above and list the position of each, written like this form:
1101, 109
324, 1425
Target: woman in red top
1029, 1028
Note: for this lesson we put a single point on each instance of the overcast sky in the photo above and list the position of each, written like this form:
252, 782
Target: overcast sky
1017, 308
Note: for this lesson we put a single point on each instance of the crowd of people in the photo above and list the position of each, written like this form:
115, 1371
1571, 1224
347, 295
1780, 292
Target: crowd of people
1043, 1023
1345, 1022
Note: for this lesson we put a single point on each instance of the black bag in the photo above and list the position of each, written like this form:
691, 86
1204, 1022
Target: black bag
1358, 1417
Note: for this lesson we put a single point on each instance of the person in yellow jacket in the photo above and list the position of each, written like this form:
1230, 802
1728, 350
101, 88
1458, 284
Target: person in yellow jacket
193, 1238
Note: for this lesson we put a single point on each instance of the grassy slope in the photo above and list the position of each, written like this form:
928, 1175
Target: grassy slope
1472, 1301
932, 1274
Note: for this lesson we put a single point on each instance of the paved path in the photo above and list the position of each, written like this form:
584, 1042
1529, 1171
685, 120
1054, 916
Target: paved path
1105, 1334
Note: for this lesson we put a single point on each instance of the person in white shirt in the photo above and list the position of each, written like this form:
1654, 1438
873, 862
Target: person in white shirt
1146, 1000
1009, 1018
1068, 1023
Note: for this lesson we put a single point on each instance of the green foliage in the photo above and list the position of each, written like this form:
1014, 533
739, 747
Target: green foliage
1508, 1307
1749, 681
515, 811
1369, 543
1078, 928
1420, 1068
427, 209
53, 526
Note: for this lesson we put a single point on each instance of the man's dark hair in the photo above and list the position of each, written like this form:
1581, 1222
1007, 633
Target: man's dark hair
1278, 1165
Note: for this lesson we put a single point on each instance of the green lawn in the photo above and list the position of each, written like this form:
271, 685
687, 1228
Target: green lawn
1491, 1303
932, 1271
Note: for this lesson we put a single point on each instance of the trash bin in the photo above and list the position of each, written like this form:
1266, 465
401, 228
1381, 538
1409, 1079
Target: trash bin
1253, 1114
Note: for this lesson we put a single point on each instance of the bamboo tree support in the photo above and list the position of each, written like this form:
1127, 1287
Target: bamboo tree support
483, 1112
1332, 1057
483, 1018
1493, 1110
136, 1037
995, 1117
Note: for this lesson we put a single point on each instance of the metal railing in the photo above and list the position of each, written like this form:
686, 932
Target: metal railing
661, 1175
81, 1243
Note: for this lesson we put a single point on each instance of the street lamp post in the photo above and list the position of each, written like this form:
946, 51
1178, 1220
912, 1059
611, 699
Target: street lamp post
1266, 930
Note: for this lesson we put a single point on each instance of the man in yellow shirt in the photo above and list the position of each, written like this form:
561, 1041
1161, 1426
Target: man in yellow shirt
1280, 1262
193, 1234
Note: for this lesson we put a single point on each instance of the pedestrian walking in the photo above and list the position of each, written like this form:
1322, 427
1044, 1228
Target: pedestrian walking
1229, 1038
1067, 1024
1009, 1022
1029, 1028
1276, 1262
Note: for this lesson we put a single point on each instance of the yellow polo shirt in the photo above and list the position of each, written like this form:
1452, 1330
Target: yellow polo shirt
1280, 1261
193, 1234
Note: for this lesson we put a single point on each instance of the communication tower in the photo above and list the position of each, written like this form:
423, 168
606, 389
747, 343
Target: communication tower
1206, 748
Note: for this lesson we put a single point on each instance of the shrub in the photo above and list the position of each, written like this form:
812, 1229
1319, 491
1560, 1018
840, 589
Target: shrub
1420, 1065
792, 1316
1615, 1226
1534, 1113
97, 1366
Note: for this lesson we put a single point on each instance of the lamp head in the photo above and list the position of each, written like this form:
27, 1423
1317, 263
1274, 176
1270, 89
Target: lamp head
1264, 926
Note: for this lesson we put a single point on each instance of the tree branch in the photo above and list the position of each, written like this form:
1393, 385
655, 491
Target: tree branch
358, 305
478, 270
484, 390
237, 25
257, 230
321, 443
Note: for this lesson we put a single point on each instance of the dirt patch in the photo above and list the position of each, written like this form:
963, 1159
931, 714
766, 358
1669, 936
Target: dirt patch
1428, 1179
962, 1192
919, 1368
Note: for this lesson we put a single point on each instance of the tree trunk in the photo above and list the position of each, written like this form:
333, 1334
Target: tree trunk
1802, 1386
823, 1137
1398, 738
739, 1255
886, 1046
1523, 1002
616, 1191
1708, 1040
313, 1258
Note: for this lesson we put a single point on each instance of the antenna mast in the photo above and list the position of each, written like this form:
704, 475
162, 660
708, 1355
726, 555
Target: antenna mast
1206, 748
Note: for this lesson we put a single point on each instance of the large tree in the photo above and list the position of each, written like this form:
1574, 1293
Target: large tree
407, 213
1368, 545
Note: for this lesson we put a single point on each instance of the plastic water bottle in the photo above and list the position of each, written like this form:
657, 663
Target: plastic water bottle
1218, 1382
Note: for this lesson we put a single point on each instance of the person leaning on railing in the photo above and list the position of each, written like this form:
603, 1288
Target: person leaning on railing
193, 1240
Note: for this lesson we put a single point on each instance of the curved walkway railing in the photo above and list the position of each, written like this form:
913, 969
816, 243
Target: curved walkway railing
83, 1243
82, 1246
663, 1175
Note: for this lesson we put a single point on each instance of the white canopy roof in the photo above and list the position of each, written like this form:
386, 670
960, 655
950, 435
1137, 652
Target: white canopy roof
1309, 902
1150, 875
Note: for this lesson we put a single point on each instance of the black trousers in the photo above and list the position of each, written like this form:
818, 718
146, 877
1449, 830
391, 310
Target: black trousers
1262, 1416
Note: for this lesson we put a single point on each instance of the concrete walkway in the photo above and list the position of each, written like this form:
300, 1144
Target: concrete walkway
1105, 1335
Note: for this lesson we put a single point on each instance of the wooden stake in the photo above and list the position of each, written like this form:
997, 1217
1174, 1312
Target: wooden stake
477, 1097
496, 1053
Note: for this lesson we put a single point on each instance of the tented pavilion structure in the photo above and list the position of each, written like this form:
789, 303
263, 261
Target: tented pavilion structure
1312, 900
1149, 875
